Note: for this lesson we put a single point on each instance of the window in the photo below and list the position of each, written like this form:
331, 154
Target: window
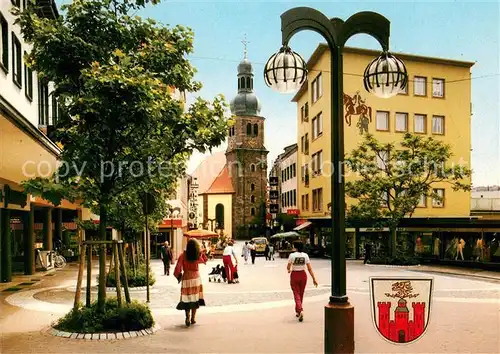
306, 144
317, 163
317, 88
302, 173
437, 125
252, 168
384, 198
302, 113
248, 83
420, 123
306, 111
422, 203
252, 199
16, 3
317, 126
317, 199
438, 88
219, 215
4, 43
294, 197
306, 176
405, 90
28, 81
307, 201
303, 202
55, 110
43, 102
438, 202
242, 83
382, 121
401, 122
17, 61
252, 211
420, 86
294, 170
255, 129
249, 129
252, 187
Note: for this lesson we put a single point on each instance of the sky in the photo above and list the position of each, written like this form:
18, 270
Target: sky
455, 30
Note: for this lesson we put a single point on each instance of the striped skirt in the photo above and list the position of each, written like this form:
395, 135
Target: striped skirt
191, 291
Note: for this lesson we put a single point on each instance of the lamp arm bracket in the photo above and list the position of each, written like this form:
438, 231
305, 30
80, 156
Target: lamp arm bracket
366, 22
302, 18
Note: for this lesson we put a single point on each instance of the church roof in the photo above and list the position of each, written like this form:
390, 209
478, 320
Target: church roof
208, 170
222, 184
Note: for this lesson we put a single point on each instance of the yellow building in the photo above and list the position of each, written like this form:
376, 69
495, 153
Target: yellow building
438, 104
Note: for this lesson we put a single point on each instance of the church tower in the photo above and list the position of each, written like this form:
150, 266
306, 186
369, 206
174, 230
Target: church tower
246, 155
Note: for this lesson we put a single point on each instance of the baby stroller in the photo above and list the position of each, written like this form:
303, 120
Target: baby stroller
217, 274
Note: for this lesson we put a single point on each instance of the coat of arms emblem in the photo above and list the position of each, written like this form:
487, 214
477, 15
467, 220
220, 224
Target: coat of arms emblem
401, 307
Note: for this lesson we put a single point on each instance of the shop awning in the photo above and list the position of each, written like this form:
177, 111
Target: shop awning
302, 226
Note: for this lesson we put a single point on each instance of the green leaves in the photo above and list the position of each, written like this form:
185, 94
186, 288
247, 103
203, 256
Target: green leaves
392, 179
123, 130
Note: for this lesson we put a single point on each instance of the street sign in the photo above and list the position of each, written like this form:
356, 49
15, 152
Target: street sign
273, 181
273, 208
273, 195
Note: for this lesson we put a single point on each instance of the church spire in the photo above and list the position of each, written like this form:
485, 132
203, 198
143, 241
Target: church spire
245, 50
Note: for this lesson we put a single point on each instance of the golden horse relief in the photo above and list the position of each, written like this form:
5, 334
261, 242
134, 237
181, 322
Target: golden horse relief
357, 106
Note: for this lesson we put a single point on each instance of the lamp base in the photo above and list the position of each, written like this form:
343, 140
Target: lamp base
339, 328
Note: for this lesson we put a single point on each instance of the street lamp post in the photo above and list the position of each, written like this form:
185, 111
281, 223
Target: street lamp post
386, 76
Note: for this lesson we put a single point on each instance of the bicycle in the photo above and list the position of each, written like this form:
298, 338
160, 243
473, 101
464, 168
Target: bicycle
59, 260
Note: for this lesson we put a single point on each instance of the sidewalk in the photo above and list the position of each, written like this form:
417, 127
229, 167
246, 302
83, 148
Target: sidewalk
475, 273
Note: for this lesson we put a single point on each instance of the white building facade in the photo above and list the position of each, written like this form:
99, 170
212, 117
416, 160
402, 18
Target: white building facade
288, 180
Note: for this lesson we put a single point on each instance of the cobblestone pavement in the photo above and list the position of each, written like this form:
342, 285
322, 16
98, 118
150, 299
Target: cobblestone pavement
240, 318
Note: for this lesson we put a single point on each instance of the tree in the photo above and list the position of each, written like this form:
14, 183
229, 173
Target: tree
121, 127
287, 221
391, 180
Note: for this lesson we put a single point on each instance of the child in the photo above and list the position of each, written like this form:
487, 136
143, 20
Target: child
235, 274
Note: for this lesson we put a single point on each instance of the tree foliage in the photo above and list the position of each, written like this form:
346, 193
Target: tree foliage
391, 179
122, 129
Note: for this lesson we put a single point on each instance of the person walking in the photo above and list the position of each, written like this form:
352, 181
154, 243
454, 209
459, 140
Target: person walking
266, 252
245, 252
166, 257
271, 251
227, 259
186, 272
253, 251
368, 252
297, 263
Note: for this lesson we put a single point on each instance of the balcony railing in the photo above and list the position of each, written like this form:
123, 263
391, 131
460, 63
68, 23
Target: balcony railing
486, 204
46, 8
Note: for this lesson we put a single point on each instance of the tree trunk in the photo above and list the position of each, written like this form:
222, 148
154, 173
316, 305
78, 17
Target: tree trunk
393, 241
78, 291
101, 297
133, 249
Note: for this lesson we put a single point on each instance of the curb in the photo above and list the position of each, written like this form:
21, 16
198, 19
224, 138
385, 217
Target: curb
106, 336
467, 275
393, 266
134, 288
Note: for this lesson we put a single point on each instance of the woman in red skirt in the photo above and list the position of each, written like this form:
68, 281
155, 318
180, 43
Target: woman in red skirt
191, 287
298, 261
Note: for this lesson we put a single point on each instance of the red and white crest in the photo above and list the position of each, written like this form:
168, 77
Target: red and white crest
401, 307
